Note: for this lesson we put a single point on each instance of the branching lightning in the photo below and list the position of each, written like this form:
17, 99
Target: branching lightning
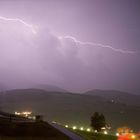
32, 28
97, 45
21, 21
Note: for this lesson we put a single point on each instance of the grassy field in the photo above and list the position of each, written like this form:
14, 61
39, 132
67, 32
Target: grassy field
94, 136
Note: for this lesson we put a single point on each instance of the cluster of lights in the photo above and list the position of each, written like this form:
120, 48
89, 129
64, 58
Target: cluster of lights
128, 136
81, 128
95, 131
25, 113
104, 132
89, 130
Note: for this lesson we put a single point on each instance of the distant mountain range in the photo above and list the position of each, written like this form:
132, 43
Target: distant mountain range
49, 88
37, 86
116, 96
74, 109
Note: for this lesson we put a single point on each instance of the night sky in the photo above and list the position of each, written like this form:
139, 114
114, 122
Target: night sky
74, 44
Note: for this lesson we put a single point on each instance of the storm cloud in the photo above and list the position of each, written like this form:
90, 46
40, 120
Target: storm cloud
31, 55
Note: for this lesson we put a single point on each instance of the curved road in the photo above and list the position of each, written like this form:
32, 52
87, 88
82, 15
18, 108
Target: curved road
70, 134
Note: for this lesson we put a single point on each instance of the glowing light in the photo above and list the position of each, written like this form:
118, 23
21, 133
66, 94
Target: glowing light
105, 132
32, 117
81, 128
95, 131
103, 128
25, 114
88, 130
17, 113
66, 126
31, 27
117, 134
96, 45
133, 136
127, 136
74, 127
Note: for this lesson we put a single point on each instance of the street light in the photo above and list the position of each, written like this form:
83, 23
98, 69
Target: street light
74, 127
88, 129
105, 132
66, 126
81, 128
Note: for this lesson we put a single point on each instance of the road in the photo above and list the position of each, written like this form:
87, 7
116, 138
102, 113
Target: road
70, 134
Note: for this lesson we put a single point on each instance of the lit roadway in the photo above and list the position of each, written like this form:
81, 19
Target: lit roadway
70, 134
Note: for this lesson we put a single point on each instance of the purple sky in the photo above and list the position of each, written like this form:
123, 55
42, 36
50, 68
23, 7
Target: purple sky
74, 44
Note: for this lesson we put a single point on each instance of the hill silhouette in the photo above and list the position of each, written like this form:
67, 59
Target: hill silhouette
116, 96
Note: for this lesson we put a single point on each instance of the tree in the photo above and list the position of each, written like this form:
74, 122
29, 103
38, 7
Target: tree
98, 121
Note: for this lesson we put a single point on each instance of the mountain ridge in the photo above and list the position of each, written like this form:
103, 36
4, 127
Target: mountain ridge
118, 96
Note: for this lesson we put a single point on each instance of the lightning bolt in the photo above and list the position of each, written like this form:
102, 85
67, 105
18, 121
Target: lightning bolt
97, 45
31, 27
